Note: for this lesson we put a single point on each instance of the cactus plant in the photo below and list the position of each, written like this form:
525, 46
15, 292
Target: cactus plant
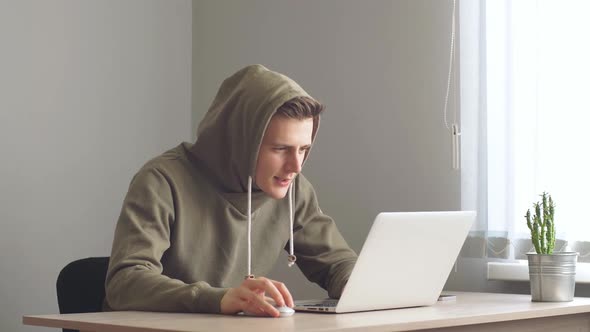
542, 225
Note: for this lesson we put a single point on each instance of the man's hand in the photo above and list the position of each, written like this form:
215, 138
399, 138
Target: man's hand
251, 296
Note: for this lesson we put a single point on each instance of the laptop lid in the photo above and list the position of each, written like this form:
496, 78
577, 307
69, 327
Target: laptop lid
405, 260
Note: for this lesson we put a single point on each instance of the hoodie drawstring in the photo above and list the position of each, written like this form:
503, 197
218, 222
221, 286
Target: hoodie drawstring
292, 258
249, 275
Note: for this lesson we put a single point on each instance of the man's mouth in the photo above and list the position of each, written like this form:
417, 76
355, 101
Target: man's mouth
283, 181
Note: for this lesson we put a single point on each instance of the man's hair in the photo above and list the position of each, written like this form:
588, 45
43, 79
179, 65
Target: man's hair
301, 108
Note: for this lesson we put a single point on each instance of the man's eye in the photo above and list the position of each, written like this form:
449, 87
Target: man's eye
280, 148
304, 150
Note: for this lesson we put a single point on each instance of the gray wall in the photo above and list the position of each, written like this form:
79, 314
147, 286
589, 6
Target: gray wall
89, 90
381, 69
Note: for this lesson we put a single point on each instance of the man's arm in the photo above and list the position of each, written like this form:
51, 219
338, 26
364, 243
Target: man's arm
322, 253
134, 279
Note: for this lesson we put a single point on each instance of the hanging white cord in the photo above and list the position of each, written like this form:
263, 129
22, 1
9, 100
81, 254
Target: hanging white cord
292, 258
451, 60
249, 275
454, 128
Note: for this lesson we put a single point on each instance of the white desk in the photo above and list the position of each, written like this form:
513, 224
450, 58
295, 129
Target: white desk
470, 312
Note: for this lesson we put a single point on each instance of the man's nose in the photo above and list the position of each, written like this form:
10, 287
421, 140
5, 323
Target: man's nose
294, 162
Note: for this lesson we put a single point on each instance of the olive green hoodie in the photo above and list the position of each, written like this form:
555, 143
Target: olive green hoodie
181, 240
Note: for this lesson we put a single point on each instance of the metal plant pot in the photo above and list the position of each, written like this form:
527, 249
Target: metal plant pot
553, 277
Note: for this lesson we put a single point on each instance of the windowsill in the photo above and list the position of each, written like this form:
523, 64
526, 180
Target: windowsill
519, 271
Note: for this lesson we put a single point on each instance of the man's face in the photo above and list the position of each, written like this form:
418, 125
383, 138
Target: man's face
281, 154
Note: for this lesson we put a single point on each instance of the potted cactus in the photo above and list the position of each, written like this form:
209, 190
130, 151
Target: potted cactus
552, 274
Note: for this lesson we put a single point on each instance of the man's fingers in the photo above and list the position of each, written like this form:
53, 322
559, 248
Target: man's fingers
251, 297
269, 287
252, 309
256, 304
282, 288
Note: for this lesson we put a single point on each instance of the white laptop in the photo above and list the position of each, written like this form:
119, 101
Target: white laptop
405, 262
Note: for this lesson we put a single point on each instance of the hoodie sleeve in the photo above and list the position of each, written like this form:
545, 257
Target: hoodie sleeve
323, 255
134, 278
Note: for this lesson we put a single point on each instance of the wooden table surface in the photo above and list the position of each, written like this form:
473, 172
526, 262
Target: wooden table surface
467, 309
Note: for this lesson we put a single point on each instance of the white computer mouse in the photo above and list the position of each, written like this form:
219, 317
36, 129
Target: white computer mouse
283, 312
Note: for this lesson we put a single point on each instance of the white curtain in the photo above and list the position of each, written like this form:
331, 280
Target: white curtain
532, 127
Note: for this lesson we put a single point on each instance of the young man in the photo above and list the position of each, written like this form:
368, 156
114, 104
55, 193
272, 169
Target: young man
202, 224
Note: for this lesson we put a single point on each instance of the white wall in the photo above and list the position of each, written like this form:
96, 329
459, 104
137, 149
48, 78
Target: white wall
89, 90
381, 69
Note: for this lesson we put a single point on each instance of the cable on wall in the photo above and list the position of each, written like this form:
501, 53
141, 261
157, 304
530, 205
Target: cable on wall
454, 127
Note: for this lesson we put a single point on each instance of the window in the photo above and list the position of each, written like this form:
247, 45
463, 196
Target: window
525, 70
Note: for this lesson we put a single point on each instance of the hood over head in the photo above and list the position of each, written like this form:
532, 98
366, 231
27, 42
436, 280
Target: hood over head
230, 134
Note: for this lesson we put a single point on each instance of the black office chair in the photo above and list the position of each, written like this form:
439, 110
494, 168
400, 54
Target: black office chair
80, 286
